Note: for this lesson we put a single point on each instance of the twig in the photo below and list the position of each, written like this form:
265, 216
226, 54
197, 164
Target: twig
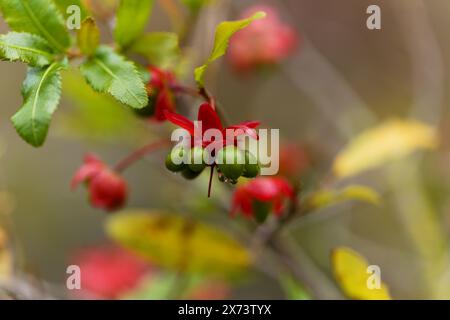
139, 153
210, 181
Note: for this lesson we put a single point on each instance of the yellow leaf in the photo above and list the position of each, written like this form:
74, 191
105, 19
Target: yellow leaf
325, 198
351, 272
6, 259
389, 141
175, 242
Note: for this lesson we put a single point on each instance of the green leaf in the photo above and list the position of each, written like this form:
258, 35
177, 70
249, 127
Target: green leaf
178, 243
325, 198
88, 37
26, 47
39, 17
160, 48
107, 71
292, 289
224, 32
158, 287
132, 17
41, 92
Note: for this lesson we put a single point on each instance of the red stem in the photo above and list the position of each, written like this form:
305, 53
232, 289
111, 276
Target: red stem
139, 153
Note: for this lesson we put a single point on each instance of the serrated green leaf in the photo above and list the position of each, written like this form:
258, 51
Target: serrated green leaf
88, 37
107, 71
178, 243
224, 32
26, 47
160, 48
41, 92
325, 198
40, 17
131, 19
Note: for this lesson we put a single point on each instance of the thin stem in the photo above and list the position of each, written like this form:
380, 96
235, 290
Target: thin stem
187, 90
211, 175
139, 153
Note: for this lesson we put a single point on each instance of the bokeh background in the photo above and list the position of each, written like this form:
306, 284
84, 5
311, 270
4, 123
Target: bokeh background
343, 78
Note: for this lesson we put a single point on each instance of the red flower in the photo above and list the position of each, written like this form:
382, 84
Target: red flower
265, 41
108, 272
209, 119
159, 89
107, 189
271, 191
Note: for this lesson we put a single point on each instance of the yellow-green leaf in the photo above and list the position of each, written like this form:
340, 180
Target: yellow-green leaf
131, 19
97, 117
195, 5
178, 243
353, 274
88, 37
388, 141
160, 48
224, 32
325, 198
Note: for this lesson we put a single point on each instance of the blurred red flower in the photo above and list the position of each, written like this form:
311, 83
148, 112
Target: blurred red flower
107, 189
262, 193
294, 161
209, 119
159, 90
265, 41
108, 272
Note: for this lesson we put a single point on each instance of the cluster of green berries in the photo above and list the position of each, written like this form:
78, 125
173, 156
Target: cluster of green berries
231, 162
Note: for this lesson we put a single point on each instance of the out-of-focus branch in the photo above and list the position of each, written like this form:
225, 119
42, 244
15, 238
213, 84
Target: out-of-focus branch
415, 210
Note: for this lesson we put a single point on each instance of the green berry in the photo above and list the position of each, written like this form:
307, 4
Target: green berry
189, 174
251, 167
176, 153
197, 164
230, 161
